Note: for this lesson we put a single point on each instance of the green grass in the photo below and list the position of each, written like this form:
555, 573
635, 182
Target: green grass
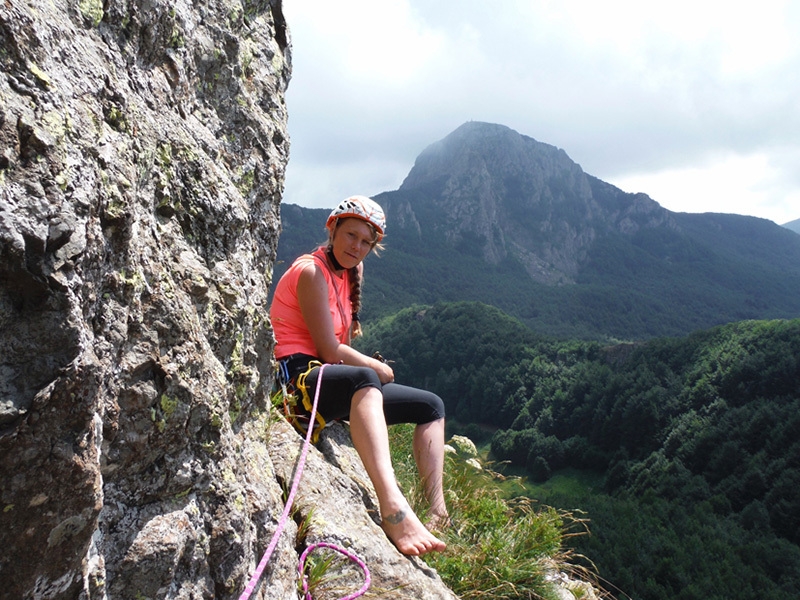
498, 547
572, 483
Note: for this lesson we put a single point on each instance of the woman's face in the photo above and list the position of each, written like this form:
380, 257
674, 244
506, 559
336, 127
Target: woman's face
352, 240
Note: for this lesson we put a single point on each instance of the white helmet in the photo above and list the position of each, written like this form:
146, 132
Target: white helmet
362, 208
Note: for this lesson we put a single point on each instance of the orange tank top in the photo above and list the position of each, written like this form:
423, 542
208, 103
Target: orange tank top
291, 332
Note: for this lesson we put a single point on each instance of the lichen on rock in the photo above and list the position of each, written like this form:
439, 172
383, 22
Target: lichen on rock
143, 146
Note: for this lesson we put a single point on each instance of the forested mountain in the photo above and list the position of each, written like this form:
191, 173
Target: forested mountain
490, 215
690, 443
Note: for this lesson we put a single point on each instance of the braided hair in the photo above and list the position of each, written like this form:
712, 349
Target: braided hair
355, 300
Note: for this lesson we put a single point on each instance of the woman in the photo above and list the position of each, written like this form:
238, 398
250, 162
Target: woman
314, 317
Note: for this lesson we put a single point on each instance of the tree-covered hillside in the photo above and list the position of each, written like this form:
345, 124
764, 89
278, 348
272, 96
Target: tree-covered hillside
694, 437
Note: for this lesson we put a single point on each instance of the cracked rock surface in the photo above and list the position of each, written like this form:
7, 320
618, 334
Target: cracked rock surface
143, 145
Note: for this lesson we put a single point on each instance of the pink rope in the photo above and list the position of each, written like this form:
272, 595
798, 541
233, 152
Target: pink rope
248, 590
340, 550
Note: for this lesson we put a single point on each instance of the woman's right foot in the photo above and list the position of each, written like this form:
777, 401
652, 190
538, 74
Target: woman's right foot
409, 535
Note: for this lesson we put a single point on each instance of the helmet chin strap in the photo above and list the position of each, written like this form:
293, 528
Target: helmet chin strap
336, 264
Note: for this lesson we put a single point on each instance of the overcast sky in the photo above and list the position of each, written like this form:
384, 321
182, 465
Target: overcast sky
694, 102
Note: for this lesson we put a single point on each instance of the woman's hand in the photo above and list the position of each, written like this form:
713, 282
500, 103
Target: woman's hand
384, 371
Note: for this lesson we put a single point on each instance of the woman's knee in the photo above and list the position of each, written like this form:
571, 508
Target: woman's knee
368, 394
364, 377
435, 408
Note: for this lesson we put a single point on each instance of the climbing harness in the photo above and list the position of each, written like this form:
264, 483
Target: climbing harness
293, 393
248, 590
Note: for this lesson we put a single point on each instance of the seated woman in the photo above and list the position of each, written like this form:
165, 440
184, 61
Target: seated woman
314, 316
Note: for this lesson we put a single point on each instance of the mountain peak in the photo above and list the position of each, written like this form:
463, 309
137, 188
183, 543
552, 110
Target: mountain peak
489, 147
484, 206
507, 195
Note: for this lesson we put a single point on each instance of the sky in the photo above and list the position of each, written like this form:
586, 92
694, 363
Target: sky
695, 103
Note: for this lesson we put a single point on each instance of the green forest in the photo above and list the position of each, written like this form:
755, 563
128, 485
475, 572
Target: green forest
682, 452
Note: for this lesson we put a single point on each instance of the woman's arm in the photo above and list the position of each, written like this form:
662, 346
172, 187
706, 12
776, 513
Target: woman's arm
312, 295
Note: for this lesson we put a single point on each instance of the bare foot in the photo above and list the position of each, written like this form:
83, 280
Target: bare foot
439, 522
409, 534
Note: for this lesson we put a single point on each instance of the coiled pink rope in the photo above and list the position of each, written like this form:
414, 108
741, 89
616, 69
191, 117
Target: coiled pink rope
248, 590
340, 550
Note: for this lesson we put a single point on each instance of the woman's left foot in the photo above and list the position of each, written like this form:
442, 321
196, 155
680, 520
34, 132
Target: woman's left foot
439, 523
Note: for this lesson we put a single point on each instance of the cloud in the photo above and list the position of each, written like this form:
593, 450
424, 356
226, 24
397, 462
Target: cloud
749, 185
664, 96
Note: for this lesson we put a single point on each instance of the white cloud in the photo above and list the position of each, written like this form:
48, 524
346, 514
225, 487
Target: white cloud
325, 185
670, 95
373, 43
745, 185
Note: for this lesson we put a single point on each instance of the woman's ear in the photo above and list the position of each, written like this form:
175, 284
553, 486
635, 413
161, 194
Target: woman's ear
331, 227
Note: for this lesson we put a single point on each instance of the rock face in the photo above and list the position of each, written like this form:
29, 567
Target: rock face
510, 196
142, 154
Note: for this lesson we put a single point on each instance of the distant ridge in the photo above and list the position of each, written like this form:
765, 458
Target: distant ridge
793, 225
491, 215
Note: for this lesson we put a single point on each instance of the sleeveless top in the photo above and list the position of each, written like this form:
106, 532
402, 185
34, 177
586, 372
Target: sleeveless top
291, 332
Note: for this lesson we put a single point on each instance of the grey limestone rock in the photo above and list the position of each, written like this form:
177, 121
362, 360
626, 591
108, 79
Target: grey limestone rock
143, 145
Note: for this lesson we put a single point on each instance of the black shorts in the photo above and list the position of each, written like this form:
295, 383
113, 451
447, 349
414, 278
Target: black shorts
401, 403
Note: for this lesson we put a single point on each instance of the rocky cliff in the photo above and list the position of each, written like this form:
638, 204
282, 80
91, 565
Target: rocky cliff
142, 153
488, 187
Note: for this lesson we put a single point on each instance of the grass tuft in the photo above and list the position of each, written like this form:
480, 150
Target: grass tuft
497, 547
